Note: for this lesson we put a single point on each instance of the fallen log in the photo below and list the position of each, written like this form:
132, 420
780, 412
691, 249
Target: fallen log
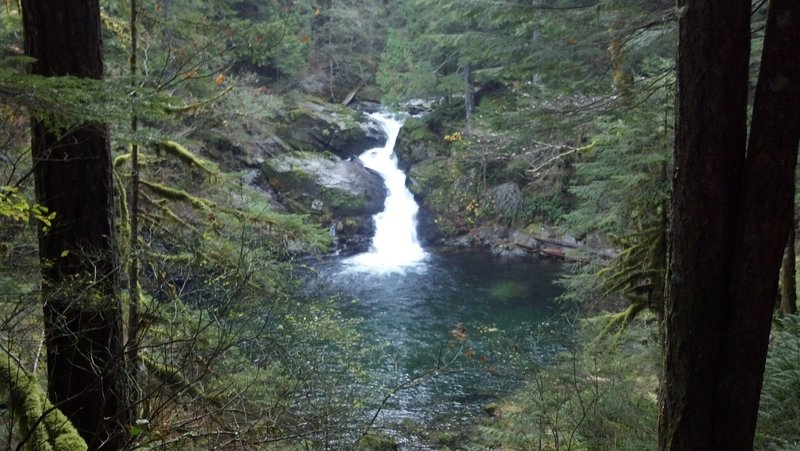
353, 93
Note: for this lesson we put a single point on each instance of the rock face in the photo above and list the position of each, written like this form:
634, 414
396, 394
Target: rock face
342, 131
304, 161
342, 194
416, 144
326, 183
424, 158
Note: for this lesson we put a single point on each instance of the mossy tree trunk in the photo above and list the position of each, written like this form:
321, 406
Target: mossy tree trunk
731, 212
72, 168
132, 344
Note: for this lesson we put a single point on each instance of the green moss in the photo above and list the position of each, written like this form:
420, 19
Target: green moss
122, 159
376, 441
429, 175
342, 201
124, 215
178, 151
48, 428
173, 378
177, 195
299, 145
196, 105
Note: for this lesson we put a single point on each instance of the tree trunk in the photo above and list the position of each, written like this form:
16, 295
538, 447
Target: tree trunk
469, 94
732, 204
132, 344
72, 169
622, 74
788, 270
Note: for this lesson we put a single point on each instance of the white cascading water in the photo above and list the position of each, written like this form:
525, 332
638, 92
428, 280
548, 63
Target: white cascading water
395, 246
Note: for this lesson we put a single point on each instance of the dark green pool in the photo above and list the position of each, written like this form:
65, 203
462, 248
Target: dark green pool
458, 330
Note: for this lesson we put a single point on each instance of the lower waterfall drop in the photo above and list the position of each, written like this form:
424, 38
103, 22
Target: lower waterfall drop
395, 246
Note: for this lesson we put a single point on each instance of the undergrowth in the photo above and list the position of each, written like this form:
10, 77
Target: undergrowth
600, 396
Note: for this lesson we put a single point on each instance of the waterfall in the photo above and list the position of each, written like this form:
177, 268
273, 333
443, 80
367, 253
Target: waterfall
395, 246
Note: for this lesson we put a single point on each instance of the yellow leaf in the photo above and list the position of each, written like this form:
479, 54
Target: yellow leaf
64, 253
220, 78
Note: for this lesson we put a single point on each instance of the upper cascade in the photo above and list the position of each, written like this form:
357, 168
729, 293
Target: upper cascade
395, 246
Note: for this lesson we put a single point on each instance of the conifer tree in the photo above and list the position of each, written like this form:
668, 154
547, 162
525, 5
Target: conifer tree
72, 168
732, 208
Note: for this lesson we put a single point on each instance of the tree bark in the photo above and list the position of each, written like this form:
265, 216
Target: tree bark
788, 270
732, 203
132, 344
72, 169
469, 93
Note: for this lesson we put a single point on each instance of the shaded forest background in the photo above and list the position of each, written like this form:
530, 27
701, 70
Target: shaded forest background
551, 120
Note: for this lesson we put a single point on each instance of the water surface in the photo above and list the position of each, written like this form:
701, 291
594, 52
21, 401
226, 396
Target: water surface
452, 330
456, 329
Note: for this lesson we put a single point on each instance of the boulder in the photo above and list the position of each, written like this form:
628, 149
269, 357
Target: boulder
316, 126
416, 143
342, 195
427, 230
322, 184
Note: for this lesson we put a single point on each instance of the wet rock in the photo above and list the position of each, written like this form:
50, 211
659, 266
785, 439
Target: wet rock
317, 127
490, 234
325, 183
342, 195
427, 230
353, 234
466, 240
416, 143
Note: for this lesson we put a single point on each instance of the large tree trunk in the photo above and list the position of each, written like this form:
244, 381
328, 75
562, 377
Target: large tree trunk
82, 313
732, 205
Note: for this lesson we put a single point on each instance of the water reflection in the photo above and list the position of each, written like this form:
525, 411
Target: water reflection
501, 306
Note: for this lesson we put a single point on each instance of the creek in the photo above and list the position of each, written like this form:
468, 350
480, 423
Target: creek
456, 329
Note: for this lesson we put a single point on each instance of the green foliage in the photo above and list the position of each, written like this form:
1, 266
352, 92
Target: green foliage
347, 35
15, 207
600, 396
547, 207
622, 188
401, 75
375, 441
779, 409
63, 102
275, 46
247, 114
622, 180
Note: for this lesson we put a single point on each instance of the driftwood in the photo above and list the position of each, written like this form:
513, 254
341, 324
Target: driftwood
557, 243
549, 251
353, 93
554, 251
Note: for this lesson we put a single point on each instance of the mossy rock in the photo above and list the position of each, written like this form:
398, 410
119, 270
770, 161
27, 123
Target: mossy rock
376, 441
427, 176
416, 143
343, 203
324, 183
316, 126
